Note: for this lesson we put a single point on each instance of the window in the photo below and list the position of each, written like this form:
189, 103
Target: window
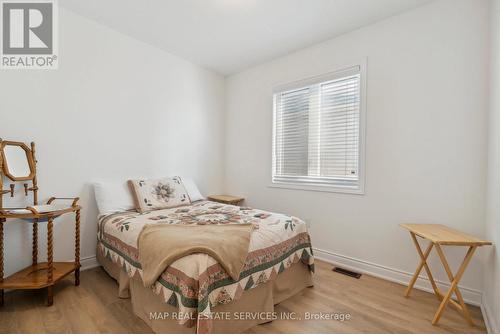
318, 133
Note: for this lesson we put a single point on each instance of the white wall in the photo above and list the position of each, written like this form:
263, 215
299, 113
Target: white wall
492, 267
119, 108
115, 108
426, 137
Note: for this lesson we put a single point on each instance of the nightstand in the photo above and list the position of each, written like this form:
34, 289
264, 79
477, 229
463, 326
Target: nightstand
226, 199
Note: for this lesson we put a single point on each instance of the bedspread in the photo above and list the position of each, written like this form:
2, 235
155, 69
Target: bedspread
196, 283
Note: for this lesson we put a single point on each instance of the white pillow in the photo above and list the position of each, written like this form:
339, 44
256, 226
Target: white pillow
192, 190
113, 196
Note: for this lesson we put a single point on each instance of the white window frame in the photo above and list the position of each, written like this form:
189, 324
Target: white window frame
337, 186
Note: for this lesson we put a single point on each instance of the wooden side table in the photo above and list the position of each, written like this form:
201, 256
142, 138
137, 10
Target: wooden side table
226, 199
440, 235
46, 274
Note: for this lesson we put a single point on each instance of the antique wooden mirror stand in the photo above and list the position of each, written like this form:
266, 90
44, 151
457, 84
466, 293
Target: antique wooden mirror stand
18, 163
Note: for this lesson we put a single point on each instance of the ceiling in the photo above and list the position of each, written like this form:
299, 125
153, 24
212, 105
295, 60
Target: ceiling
230, 35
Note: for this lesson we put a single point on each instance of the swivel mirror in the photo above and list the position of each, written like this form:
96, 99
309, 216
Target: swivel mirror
18, 164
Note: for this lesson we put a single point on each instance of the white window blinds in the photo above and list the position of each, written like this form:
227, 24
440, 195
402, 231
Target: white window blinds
316, 139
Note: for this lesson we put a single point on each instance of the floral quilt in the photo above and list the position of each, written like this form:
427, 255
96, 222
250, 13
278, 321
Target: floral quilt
196, 283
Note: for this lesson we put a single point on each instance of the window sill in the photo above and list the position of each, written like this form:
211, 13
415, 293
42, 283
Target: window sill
330, 188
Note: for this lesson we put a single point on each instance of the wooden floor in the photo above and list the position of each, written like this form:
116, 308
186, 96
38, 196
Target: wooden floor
375, 306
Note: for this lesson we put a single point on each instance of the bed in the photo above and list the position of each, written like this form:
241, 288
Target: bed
195, 294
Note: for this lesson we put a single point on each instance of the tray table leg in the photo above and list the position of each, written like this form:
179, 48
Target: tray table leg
454, 285
423, 263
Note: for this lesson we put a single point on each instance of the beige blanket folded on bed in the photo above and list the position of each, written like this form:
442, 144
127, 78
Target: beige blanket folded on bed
162, 244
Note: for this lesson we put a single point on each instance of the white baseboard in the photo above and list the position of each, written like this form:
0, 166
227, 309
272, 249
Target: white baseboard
89, 263
489, 320
471, 296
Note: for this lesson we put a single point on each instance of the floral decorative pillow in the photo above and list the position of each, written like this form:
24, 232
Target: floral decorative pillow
159, 194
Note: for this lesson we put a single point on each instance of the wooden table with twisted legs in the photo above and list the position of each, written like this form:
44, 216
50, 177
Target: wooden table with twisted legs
438, 236
46, 274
